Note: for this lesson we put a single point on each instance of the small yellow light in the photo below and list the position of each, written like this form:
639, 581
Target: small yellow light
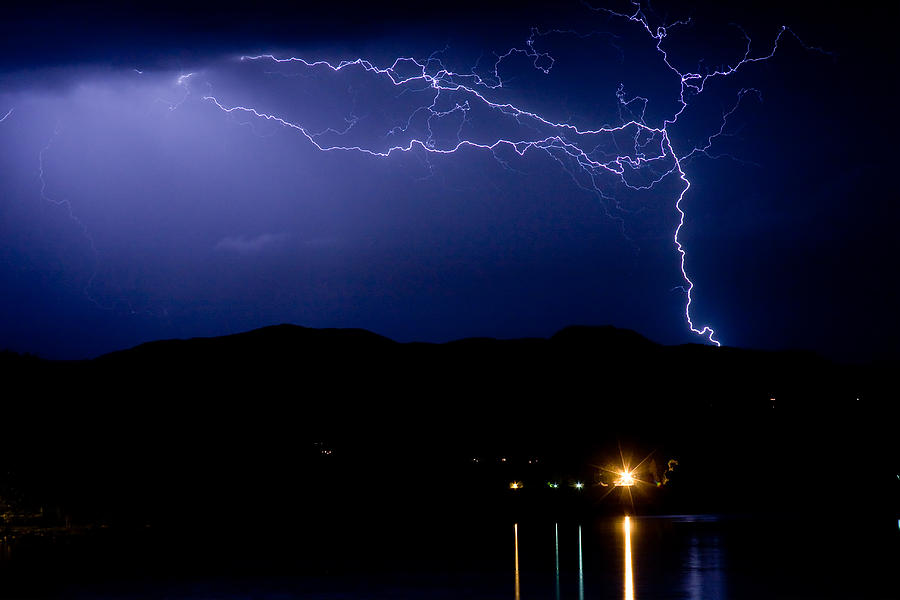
516, 485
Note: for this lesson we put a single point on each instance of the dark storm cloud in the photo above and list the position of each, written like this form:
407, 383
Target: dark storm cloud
173, 35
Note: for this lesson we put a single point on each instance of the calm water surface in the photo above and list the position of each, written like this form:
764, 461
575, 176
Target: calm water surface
691, 557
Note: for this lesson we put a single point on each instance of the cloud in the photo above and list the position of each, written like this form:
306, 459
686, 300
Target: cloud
243, 244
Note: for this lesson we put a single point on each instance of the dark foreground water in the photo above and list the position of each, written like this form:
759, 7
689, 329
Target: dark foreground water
689, 557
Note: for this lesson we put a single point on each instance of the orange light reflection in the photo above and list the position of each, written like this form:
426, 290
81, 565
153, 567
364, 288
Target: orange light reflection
629, 578
516, 530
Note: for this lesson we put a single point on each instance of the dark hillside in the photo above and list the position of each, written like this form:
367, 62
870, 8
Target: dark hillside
201, 426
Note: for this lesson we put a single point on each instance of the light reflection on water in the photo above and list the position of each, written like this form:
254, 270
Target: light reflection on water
516, 531
651, 558
607, 554
629, 576
704, 569
556, 548
580, 568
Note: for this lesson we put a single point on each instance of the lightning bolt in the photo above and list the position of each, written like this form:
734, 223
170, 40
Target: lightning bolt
6, 116
182, 82
65, 204
650, 158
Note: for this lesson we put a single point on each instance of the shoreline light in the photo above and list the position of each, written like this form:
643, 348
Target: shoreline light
626, 479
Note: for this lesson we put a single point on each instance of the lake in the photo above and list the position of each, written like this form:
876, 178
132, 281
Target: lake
677, 557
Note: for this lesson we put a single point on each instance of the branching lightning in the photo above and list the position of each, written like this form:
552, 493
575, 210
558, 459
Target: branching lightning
650, 159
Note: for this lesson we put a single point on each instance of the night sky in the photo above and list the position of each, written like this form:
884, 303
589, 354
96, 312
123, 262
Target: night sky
133, 208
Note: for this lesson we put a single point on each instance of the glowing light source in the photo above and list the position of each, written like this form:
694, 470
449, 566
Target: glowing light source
553, 484
626, 479
579, 485
515, 485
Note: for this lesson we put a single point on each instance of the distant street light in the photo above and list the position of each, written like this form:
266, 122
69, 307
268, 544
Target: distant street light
626, 479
